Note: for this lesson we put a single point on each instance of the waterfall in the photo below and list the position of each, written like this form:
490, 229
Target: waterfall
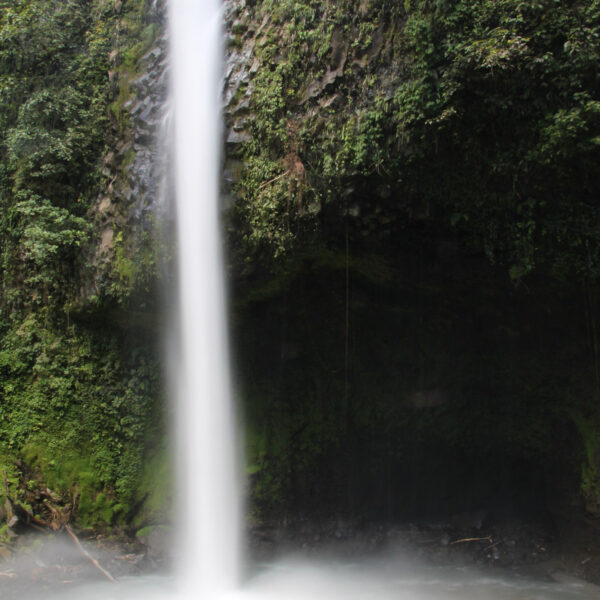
208, 512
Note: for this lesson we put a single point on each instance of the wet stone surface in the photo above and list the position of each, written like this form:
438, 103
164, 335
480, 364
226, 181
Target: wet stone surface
50, 563
467, 540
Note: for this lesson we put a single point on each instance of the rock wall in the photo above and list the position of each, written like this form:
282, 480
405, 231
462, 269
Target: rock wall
381, 154
132, 206
80, 380
408, 197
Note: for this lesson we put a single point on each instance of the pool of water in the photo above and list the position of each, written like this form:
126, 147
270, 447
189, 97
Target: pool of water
384, 580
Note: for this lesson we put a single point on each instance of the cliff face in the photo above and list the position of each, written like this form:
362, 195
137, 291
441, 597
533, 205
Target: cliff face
83, 89
409, 198
411, 232
132, 201
307, 86
469, 117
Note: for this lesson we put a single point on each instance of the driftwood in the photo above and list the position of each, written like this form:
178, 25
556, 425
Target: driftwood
487, 538
9, 574
89, 556
59, 520
57, 516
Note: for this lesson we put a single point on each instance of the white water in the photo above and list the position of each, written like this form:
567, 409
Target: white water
207, 541
393, 579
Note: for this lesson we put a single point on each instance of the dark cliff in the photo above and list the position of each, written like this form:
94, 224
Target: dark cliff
410, 209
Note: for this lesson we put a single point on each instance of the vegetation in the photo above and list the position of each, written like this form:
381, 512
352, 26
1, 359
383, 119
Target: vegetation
388, 132
79, 404
415, 210
484, 115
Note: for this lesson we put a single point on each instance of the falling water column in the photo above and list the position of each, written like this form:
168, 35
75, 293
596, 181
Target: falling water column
207, 544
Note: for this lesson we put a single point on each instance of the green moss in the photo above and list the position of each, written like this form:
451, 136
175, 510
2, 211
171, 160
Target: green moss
144, 531
77, 414
155, 490
134, 266
589, 431
71, 474
125, 267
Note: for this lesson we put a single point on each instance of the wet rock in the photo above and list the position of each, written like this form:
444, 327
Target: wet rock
158, 542
469, 521
238, 137
141, 81
106, 241
133, 167
153, 55
566, 578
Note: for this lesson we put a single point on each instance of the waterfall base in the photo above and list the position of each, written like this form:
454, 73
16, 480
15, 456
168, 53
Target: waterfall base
394, 578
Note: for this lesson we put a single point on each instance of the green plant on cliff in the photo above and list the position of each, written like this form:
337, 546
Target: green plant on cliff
475, 122
77, 410
78, 400
46, 238
484, 112
494, 90
53, 63
590, 469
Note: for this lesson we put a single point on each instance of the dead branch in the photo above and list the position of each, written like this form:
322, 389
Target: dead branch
9, 574
89, 556
8, 504
57, 517
30, 518
52, 495
487, 538
262, 185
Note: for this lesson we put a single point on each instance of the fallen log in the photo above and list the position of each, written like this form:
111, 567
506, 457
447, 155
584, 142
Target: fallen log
89, 556
58, 519
9, 574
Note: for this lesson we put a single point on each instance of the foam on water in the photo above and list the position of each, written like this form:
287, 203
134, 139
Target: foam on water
392, 579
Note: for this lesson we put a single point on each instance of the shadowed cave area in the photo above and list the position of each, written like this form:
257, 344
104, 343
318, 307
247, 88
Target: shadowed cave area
412, 382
